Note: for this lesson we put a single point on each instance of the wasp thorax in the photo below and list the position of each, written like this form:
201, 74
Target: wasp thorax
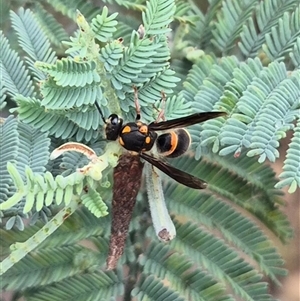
135, 136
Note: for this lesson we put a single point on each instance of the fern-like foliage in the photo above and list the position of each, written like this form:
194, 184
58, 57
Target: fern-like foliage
289, 25
295, 54
2, 96
104, 25
55, 31
59, 124
9, 134
27, 30
248, 67
83, 73
15, 77
178, 269
291, 170
234, 13
267, 15
261, 114
25, 146
136, 5
176, 261
69, 9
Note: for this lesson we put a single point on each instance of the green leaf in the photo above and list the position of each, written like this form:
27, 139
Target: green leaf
15, 76
104, 26
67, 72
32, 39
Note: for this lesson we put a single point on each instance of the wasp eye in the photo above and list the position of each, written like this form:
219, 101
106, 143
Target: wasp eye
114, 119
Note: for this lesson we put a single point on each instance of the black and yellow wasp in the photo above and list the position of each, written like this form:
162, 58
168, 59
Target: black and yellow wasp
140, 137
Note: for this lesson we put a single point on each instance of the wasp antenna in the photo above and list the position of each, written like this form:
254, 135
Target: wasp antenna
100, 111
136, 102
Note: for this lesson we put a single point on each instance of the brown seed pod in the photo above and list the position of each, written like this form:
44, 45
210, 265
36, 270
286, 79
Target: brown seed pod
127, 182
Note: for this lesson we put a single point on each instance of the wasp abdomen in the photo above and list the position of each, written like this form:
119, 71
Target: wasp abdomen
173, 144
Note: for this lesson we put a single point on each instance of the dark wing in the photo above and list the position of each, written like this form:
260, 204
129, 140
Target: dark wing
184, 121
176, 174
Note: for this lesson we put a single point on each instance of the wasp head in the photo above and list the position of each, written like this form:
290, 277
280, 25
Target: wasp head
113, 127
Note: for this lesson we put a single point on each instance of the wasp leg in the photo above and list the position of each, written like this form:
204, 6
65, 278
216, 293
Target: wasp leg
161, 115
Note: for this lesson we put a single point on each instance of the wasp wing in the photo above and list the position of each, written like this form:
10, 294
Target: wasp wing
176, 174
184, 121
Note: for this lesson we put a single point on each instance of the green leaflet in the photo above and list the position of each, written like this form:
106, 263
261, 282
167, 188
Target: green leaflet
228, 25
15, 77
104, 26
178, 269
286, 32
37, 49
67, 72
291, 170
267, 14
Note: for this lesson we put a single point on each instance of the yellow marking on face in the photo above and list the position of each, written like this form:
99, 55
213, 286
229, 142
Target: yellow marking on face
144, 129
127, 129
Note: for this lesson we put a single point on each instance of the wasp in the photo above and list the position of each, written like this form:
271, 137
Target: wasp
141, 138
